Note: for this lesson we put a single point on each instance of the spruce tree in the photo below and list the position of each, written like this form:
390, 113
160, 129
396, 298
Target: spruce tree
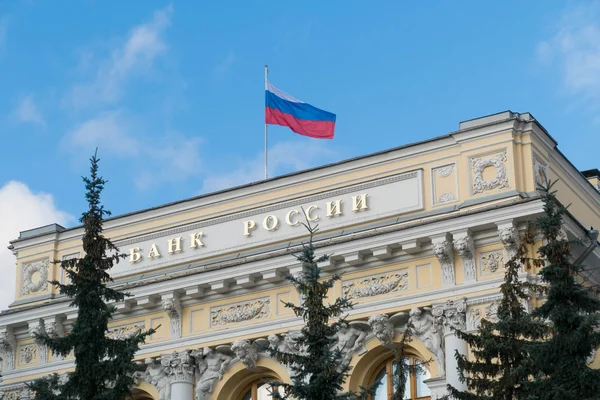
573, 316
103, 366
403, 369
502, 350
318, 370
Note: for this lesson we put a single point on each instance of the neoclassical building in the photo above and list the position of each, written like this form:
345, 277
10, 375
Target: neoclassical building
420, 231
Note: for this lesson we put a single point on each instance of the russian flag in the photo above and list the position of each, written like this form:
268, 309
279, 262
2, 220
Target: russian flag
304, 119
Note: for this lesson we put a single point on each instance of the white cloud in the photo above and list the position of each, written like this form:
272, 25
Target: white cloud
224, 65
284, 157
27, 112
132, 57
108, 130
157, 159
575, 49
21, 209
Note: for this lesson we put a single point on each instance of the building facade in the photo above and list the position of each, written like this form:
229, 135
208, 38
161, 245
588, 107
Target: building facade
420, 231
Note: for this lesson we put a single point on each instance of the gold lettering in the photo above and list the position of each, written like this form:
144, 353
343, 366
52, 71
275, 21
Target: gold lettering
271, 226
288, 218
309, 216
174, 245
196, 240
334, 208
153, 251
135, 255
359, 203
249, 225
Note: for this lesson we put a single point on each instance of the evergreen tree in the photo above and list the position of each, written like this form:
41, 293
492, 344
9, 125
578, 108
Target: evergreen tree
318, 370
502, 349
403, 369
103, 366
573, 316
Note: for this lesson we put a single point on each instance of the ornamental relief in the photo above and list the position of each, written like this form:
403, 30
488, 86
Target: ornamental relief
239, 312
444, 184
491, 262
376, 285
126, 331
34, 276
27, 353
500, 178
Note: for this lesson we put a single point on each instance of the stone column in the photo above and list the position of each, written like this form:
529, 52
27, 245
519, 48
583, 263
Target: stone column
452, 315
180, 370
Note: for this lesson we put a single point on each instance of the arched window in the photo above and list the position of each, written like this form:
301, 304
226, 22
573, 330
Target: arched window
259, 390
415, 387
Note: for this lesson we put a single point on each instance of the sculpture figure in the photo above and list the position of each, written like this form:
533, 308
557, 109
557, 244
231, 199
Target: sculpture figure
427, 331
210, 367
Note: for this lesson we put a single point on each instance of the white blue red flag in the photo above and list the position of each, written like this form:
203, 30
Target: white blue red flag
304, 119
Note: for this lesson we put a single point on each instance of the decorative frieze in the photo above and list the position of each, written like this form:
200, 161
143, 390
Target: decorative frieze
446, 198
126, 331
463, 244
172, 306
376, 285
34, 277
442, 248
500, 178
491, 262
240, 312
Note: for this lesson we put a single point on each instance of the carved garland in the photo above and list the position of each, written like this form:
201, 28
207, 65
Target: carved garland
480, 164
376, 285
240, 312
124, 332
29, 270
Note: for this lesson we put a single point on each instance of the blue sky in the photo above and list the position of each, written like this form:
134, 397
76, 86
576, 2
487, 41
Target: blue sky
172, 93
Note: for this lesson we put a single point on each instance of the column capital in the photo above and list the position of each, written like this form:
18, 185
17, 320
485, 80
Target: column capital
179, 366
451, 315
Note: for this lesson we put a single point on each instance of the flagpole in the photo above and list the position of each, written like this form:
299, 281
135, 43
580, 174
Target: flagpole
266, 129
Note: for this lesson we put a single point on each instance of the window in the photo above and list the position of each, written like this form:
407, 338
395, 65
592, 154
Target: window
415, 387
257, 391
